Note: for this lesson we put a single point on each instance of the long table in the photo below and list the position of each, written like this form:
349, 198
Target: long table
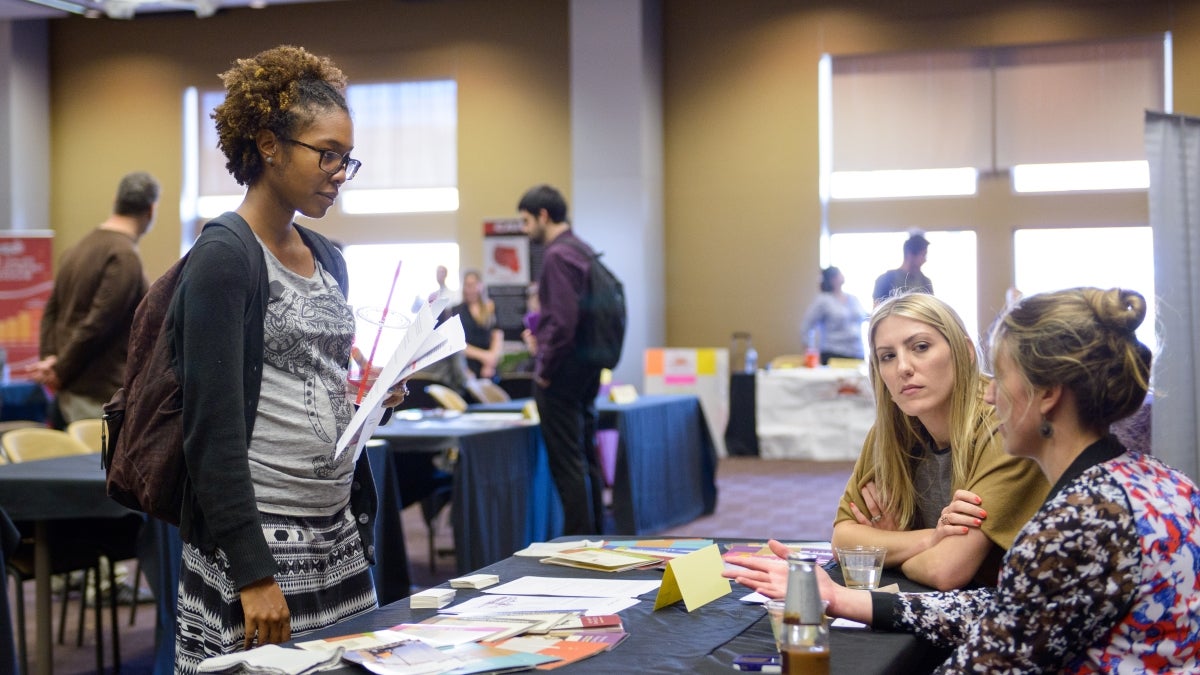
48, 490
672, 640
503, 496
666, 461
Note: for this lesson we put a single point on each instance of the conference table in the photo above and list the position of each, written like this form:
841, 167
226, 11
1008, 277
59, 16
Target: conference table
666, 461
44, 491
503, 497
673, 640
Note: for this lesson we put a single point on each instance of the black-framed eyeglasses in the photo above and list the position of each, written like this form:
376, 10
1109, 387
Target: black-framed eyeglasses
330, 162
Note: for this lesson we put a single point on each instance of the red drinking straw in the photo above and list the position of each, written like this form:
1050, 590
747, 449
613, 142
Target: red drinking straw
362, 384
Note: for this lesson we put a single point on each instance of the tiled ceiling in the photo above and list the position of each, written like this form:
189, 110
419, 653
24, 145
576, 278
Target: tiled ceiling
50, 9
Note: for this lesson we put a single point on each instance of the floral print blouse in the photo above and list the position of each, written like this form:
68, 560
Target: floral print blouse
1104, 578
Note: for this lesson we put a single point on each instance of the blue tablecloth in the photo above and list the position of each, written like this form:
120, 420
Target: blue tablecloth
666, 472
503, 497
23, 400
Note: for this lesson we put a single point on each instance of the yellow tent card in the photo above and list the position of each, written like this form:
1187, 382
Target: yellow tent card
694, 578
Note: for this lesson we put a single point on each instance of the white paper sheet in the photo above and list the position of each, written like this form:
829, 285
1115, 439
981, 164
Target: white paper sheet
421, 346
577, 587
545, 549
511, 604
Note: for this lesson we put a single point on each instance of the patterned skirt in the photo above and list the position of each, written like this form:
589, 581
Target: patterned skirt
322, 572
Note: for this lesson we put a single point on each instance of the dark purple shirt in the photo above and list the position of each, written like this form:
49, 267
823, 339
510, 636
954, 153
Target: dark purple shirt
561, 287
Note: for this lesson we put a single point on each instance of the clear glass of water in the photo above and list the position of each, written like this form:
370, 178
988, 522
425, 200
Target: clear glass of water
862, 566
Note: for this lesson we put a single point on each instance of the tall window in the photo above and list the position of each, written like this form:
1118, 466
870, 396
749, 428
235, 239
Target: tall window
1113, 257
989, 142
372, 269
405, 133
863, 256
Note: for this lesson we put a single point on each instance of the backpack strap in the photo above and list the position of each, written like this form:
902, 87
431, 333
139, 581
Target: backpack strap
328, 255
241, 228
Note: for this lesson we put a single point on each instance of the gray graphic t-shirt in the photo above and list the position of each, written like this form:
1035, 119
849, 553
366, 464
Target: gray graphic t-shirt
302, 407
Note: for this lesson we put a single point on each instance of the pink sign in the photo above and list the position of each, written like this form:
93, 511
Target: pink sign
26, 278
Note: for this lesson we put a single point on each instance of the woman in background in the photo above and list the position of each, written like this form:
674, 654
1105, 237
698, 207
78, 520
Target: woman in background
1104, 578
837, 317
485, 341
277, 529
932, 483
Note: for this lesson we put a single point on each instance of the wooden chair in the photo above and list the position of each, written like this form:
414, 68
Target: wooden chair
30, 444
89, 432
486, 391
10, 425
73, 545
446, 397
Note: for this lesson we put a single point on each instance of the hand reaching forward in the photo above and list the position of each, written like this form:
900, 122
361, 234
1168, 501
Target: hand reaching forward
769, 577
268, 620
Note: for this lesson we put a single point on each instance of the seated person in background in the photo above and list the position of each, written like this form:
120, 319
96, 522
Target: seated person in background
485, 340
933, 454
837, 317
1103, 578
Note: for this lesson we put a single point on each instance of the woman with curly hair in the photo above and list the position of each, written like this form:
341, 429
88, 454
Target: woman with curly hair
277, 530
1103, 578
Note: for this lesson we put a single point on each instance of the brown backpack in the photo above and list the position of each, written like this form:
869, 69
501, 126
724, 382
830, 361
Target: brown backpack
143, 436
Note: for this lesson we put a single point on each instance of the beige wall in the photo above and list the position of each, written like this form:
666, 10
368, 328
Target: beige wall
742, 209
117, 89
740, 109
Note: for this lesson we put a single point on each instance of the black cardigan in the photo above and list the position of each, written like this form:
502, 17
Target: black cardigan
218, 324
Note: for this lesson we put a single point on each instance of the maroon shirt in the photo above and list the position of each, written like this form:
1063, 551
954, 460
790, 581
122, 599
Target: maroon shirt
560, 288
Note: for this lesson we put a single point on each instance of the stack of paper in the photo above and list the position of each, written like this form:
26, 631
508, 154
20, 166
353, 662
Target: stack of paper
432, 598
475, 581
602, 560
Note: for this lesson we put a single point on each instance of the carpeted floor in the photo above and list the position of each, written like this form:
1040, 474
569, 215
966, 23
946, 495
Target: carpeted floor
786, 499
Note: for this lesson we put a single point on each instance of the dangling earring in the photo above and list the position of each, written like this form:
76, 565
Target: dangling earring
1046, 430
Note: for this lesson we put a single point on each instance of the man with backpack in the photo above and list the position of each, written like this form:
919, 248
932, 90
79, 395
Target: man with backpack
566, 377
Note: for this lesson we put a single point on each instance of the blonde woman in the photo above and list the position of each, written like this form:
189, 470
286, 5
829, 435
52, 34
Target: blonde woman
485, 341
933, 483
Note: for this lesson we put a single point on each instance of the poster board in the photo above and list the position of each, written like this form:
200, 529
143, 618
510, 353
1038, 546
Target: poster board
703, 373
26, 279
508, 268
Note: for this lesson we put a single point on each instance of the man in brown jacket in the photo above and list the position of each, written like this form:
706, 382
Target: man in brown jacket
85, 326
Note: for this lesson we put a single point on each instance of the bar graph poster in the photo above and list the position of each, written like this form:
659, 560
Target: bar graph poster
26, 278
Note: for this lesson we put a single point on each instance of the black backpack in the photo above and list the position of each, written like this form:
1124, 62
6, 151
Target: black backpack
601, 332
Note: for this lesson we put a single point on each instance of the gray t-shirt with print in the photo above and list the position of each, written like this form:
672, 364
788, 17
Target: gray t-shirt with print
302, 406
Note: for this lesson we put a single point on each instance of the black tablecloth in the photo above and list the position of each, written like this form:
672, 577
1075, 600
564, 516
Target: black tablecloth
672, 640
741, 432
55, 489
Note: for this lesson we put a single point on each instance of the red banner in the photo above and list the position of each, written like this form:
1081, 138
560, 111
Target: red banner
26, 278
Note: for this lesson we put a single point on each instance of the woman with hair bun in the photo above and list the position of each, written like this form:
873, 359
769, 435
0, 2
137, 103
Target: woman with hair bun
1105, 577
277, 529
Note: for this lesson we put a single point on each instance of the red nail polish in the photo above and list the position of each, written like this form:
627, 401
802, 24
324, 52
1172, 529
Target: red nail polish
977, 521
983, 514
